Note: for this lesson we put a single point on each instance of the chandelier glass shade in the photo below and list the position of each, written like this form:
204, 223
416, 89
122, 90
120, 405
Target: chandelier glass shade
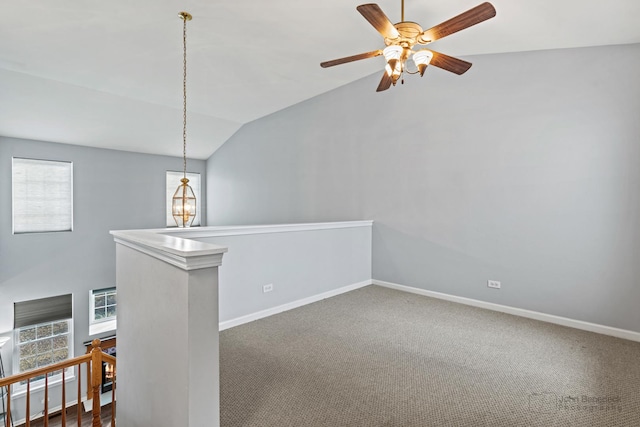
183, 205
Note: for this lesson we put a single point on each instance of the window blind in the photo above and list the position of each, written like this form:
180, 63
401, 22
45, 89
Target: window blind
42, 195
42, 310
173, 180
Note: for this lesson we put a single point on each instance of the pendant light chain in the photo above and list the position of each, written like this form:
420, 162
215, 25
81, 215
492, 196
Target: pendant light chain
184, 98
183, 202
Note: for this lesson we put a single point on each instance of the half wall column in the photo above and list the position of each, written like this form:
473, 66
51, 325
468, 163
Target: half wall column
168, 354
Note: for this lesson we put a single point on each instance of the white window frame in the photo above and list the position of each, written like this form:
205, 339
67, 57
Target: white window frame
55, 377
92, 303
98, 326
173, 181
34, 195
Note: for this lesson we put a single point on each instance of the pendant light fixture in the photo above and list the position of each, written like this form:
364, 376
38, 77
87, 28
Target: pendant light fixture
183, 205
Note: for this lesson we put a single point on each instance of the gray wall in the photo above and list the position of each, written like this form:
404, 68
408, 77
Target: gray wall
525, 170
112, 190
299, 265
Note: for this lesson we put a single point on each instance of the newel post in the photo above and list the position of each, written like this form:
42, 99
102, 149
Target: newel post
96, 381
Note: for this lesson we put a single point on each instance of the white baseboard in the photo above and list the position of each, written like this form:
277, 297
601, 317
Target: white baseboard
289, 306
558, 320
550, 318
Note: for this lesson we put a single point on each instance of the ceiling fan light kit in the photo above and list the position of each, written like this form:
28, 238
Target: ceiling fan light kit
401, 38
422, 58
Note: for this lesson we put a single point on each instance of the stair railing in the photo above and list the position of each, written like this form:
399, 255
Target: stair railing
93, 361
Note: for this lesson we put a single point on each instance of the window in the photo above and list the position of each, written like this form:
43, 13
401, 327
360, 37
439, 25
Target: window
43, 344
42, 196
173, 180
43, 333
102, 311
103, 305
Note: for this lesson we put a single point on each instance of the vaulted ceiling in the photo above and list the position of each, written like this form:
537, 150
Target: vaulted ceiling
109, 74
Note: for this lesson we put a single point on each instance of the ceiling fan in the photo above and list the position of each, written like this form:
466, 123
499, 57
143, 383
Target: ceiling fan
400, 39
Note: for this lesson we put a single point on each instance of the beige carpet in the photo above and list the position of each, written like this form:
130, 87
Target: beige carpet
380, 357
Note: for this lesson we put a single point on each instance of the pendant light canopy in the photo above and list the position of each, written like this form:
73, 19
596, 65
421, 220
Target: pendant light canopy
183, 205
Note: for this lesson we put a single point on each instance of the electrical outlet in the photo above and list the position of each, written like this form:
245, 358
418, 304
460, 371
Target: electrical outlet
493, 284
267, 288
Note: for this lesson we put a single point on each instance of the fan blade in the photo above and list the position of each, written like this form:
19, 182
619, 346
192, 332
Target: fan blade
449, 63
351, 58
467, 19
385, 83
379, 20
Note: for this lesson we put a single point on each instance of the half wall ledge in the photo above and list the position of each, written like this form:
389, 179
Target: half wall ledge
179, 251
181, 247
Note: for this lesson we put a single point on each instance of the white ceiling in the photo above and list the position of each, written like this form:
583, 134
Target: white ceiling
109, 73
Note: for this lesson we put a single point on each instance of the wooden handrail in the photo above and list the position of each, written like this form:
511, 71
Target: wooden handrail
43, 371
93, 360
